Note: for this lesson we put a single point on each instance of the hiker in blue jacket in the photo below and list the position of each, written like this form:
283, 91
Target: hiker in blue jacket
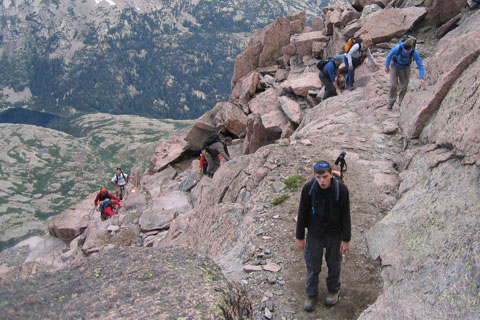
402, 55
329, 78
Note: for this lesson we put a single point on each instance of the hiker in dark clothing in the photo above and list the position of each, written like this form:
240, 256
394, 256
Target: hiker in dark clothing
329, 78
325, 211
216, 152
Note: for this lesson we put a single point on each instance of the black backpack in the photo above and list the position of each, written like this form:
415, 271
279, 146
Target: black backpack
323, 62
213, 138
404, 38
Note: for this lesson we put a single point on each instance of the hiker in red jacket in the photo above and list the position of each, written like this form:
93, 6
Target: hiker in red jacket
104, 194
107, 208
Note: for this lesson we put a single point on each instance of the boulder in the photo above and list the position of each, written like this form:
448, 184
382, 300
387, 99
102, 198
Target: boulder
350, 29
303, 42
301, 86
291, 109
202, 128
246, 62
163, 210
232, 118
281, 75
256, 135
454, 46
426, 242
168, 152
318, 24
318, 49
416, 115
245, 88
386, 24
73, 221
447, 26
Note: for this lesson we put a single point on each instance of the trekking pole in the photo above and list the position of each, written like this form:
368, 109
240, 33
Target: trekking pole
341, 160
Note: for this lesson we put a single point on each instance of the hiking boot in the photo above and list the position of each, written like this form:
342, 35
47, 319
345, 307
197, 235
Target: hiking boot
351, 87
390, 106
309, 303
331, 298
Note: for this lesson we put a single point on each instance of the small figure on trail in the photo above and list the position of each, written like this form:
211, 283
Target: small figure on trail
119, 180
328, 76
356, 50
325, 211
402, 55
102, 204
215, 149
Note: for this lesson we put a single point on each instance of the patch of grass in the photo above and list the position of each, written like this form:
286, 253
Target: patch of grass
280, 199
294, 182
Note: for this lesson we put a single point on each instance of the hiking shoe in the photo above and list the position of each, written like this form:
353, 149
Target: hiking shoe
390, 106
351, 87
331, 298
309, 303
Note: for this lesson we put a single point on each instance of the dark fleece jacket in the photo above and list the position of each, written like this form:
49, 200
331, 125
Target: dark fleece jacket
331, 217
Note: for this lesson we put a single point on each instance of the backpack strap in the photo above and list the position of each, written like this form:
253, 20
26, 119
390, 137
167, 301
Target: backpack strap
311, 193
337, 189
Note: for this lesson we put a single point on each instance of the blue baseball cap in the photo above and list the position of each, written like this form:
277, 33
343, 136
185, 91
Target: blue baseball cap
339, 57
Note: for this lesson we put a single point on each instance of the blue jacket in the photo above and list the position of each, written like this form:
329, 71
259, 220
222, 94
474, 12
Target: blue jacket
402, 60
329, 70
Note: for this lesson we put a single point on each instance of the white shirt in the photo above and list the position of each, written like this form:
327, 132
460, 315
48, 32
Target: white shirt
121, 179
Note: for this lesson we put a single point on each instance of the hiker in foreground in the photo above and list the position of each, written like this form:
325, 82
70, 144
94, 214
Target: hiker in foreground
402, 55
356, 49
105, 203
215, 149
325, 211
119, 180
329, 78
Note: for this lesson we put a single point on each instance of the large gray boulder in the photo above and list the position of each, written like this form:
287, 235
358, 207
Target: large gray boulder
386, 24
72, 222
163, 210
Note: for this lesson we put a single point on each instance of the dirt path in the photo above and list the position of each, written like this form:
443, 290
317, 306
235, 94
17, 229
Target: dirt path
283, 292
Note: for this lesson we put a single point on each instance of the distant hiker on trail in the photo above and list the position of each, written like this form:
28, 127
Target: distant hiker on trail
105, 203
355, 50
402, 55
325, 211
119, 180
215, 149
329, 78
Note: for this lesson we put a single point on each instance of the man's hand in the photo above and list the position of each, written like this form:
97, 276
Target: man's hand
339, 91
344, 246
350, 67
301, 244
387, 69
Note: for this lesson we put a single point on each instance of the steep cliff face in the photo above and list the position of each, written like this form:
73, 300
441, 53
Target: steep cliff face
414, 192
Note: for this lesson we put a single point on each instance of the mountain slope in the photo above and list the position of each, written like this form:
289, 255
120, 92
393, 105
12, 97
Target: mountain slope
164, 59
45, 171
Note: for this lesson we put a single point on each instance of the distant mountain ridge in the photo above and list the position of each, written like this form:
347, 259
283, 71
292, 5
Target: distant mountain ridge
163, 59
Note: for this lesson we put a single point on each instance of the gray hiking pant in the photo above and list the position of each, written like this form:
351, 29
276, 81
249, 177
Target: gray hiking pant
313, 257
330, 90
399, 79
213, 163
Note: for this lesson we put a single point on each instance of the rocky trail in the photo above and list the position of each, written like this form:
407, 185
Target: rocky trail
413, 177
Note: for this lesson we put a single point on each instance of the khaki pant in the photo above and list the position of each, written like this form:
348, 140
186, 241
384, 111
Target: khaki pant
399, 79
120, 192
